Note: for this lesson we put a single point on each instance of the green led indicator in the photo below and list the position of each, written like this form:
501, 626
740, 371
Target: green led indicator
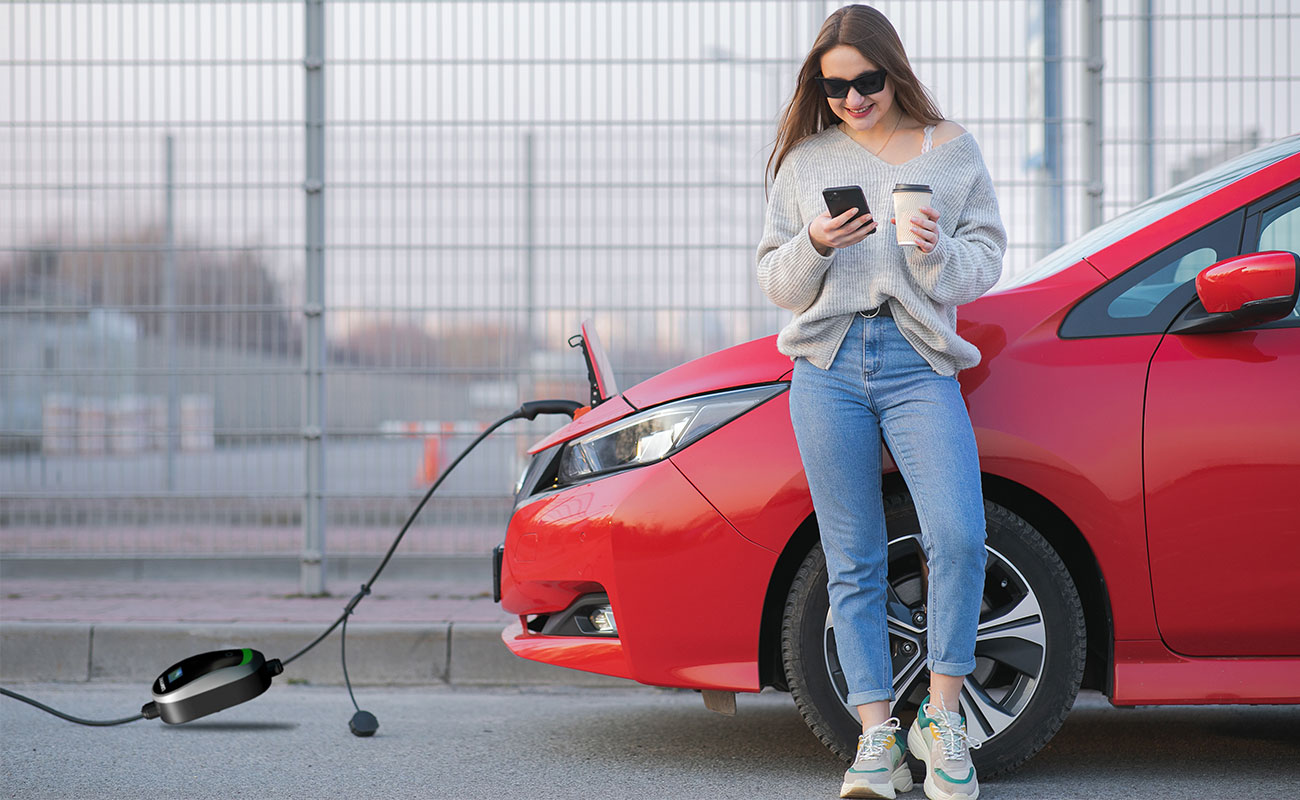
248, 656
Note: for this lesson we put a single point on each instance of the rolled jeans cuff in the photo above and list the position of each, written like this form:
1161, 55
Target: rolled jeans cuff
873, 696
950, 668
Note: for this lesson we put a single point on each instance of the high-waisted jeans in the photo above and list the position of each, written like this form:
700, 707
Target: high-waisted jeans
878, 384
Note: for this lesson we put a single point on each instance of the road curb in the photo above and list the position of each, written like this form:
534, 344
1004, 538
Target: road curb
393, 654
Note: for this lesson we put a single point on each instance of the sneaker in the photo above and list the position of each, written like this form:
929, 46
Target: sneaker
878, 770
938, 737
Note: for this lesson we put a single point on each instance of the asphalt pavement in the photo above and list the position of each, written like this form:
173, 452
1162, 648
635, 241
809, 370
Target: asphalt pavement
442, 741
462, 717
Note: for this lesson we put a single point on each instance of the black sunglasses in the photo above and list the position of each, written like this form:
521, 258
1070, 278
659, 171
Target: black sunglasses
866, 83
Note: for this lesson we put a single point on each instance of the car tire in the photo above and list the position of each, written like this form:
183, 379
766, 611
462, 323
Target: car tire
1029, 653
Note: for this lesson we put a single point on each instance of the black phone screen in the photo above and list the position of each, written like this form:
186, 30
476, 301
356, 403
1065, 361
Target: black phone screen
840, 199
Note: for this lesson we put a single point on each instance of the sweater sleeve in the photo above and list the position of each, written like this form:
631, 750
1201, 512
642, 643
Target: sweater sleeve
966, 264
790, 270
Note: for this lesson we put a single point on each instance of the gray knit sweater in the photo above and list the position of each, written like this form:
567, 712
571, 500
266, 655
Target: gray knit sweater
922, 290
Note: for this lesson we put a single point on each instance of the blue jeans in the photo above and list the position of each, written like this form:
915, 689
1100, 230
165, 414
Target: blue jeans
878, 384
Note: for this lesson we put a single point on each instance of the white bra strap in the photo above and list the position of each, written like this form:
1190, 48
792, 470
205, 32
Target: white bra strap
928, 143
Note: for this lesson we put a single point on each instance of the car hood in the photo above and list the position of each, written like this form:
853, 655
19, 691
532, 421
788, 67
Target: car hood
743, 365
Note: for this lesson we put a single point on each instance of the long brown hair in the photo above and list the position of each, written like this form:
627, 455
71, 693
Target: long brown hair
867, 30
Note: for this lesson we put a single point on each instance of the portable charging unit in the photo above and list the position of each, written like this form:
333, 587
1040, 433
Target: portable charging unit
208, 682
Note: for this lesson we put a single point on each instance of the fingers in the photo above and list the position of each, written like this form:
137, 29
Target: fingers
852, 231
926, 232
925, 227
861, 233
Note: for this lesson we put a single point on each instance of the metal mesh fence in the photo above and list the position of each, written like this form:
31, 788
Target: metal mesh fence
189, 364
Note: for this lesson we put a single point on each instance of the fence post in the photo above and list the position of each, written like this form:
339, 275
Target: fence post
1092, 112
312, 571
169, 311
530, 261
1052, 105
1147, 120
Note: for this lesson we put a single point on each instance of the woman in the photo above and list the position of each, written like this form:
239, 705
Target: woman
876, 352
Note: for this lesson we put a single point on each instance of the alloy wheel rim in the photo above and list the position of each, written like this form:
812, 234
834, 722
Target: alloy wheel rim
1010, 644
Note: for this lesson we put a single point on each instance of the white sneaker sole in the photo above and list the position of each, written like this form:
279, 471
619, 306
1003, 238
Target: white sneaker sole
899, 781
920, 748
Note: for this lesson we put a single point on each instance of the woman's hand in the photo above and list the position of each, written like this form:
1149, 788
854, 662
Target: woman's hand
925, 228
835, 233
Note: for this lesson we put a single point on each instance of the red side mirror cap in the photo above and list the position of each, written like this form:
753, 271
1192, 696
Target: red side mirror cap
1244, 290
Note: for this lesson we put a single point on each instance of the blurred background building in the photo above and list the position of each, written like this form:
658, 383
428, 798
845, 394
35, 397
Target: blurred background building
264, 265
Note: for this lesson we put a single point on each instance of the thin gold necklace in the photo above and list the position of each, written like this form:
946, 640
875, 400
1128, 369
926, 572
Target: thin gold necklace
889, 138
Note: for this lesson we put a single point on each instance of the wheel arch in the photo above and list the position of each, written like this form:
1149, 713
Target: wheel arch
1057, 528
771, 672
1069, 543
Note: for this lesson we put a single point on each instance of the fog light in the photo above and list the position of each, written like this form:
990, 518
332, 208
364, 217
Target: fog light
603, 619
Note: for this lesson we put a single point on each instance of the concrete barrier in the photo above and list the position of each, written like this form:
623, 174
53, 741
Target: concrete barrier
54, 651
469, 654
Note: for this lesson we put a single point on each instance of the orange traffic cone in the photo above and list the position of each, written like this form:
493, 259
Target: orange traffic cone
432, 456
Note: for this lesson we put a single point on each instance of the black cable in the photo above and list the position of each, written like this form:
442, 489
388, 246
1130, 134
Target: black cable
348, 610
529, 410
343, 653
103, 723
365, 587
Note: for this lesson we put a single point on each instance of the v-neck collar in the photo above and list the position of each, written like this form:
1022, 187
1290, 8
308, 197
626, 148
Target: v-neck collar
914, 158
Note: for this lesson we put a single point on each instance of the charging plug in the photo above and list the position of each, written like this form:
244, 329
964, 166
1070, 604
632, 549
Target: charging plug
532, 408
363, 723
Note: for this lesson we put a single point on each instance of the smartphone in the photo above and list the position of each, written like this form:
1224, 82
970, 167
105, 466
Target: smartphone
841, 198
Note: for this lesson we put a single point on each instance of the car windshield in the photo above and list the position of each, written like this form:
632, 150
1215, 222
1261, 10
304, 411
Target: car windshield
1138, 217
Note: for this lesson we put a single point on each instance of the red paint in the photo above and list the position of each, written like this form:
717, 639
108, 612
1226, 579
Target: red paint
1228, 285
1222, 445
745, 364
604, 656
1147, 673
687, 589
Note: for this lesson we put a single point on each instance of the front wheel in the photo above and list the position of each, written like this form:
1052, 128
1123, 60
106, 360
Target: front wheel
1029, 649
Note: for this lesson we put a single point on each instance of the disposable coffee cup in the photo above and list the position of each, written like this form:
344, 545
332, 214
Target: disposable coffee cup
908, 199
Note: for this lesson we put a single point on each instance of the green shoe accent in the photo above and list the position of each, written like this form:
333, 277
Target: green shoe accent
869, 771
923, 720
950, 779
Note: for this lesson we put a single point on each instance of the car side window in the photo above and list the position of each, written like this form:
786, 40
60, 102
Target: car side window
1146, 298
1143, 297
1279, 229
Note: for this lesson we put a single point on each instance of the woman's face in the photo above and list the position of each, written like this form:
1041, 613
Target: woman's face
858, 112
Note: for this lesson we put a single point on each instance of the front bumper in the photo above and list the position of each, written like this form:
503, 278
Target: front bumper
686, 588
604, 656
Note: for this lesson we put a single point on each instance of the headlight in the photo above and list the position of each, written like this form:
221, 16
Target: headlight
657, 433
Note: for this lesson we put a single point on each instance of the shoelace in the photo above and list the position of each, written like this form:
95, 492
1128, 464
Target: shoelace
872, 743
953, 738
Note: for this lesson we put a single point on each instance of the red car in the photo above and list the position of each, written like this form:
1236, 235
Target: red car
1137, 411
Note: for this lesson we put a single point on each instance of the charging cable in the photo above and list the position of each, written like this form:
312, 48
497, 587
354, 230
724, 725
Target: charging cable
363, 723
103, 723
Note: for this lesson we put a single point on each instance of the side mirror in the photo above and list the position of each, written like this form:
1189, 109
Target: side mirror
1243, 291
